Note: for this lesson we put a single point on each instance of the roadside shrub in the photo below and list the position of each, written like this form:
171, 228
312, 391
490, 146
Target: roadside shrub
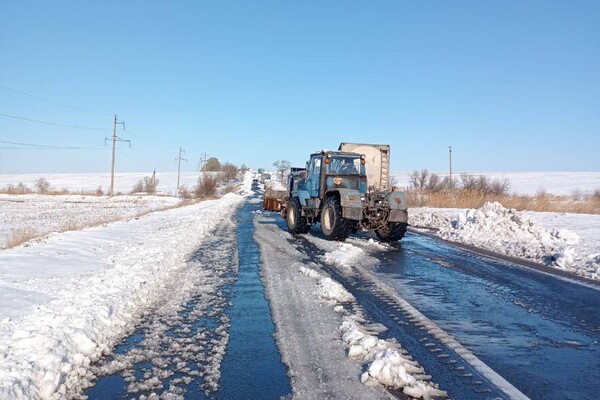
228, 172
426, 181
146, 185
207, 186
184, 193
418, 179
41, 185
20, 188
484, 185
99, 191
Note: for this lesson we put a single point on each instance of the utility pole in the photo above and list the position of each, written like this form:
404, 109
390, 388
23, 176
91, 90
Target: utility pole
179, 165
115, 139
450, 156
202, 162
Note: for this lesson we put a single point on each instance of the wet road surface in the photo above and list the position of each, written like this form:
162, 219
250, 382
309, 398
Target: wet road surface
212, 339
540, 332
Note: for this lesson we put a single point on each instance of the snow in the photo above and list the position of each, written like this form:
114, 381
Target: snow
329, 289
528, 183
345, 254
74, 294
89, 182
43, 214
570, 242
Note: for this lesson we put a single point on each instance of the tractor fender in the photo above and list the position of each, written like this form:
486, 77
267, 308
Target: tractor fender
349, 197
398, 207
350, 200
397, 201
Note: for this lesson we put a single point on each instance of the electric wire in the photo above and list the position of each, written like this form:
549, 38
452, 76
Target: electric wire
44, 146
52, 101
53, 123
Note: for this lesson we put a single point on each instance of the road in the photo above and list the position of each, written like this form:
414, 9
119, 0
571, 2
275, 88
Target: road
539, 332
245, 323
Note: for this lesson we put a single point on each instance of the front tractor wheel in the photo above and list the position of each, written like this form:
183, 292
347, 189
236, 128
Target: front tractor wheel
392, 232
295, 221
333, 225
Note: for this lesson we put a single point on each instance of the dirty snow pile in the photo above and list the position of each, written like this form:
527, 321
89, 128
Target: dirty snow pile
496, 228
67, 300
345, 255
387, 364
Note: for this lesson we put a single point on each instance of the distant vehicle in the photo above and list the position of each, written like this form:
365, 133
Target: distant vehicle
261, 171
265, 177
345, 191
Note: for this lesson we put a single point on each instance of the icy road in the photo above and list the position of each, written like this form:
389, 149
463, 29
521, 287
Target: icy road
480, 327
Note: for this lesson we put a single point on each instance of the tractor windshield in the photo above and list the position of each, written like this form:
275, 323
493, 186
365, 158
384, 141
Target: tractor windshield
345, 166
345, 172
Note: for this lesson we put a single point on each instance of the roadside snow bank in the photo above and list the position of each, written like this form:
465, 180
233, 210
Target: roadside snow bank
496, 228
70, 298
387, 364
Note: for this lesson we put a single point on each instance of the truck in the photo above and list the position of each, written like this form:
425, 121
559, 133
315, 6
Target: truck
345, 191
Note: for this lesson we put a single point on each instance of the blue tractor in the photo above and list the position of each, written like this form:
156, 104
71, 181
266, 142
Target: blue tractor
333, 190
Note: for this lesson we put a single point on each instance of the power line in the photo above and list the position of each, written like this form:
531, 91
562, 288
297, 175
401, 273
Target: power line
51, 101
142, 139
43, 146
53, 123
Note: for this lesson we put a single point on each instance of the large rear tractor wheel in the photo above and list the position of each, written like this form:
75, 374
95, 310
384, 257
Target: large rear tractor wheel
333, 225
394, 231
295, 221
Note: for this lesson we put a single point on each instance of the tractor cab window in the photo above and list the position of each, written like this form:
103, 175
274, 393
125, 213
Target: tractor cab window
344, 166
316, 167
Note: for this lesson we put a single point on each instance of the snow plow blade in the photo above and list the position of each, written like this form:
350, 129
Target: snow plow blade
273, 199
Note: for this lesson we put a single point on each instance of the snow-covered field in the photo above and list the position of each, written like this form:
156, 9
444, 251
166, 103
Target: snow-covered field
66, 300
570, 242
528, 183
36, 215
89, 182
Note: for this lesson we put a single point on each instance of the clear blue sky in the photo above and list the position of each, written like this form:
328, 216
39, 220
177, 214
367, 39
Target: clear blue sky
511, 85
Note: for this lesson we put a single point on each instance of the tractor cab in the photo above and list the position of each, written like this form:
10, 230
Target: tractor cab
344, 171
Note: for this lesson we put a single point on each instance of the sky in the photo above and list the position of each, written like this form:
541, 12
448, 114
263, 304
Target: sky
510, 85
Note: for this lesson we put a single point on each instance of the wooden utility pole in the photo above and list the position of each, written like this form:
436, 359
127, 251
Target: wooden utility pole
450, 156
179, 165
114, 142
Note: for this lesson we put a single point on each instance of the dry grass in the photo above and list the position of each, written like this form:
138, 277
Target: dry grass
19, 188
472, 199
206, 187
20, 236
